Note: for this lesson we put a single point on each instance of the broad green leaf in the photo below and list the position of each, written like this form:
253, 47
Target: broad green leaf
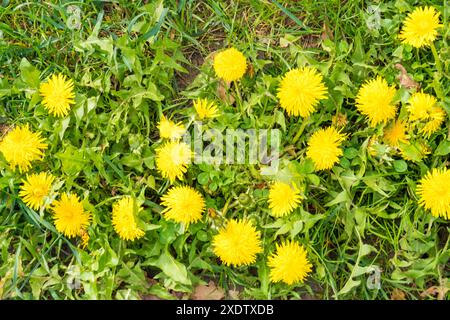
173, 269
72, 160
203, 178
341, 197
400, 166
443, 148
29, 74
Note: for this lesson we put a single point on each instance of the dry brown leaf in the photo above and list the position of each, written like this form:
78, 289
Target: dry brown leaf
223, 91
405, 80
250, 70
310, 41
234, 294
208, 292
326, 33
262, 185
440, 291
431, 291
172, 34
398, 294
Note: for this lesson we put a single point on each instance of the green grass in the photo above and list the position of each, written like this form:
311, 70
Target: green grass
131, 63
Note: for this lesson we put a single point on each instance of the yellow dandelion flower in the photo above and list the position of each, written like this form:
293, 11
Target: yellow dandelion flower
289, 263
373, 146
21, 146
183, 205
172, 159
374, 100
205, 109
301, 90
420, 27
419, 106
169, 129
423, 107
396, 133
123, 218
69, 216
436, 118
35, 189
434, 192
283, 199
324, 148
238, 243
57, 95
230, 64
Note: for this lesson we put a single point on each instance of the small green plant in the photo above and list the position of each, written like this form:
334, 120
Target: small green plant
105, 195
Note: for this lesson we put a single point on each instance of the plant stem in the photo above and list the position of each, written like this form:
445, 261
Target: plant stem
436, 58
238, 97
300, 131
438, 64
225, 207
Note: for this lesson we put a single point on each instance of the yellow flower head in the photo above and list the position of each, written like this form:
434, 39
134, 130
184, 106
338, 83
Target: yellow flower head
373, 146
289, 263
283, 199
230, 64
205, 109
21, 146
57, 95
324, 148
396, 133
169, 129
301, 90
420, 27
437, 116
419, 106
35, 189
123, 218
183, 205
238, 243
374, 100
69, 216
84, 239
423, 107
434, 192
172, 159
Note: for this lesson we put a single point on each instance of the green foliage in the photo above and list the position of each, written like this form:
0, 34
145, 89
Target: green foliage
131, 62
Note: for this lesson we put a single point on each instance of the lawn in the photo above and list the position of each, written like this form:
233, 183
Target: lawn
252, 149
